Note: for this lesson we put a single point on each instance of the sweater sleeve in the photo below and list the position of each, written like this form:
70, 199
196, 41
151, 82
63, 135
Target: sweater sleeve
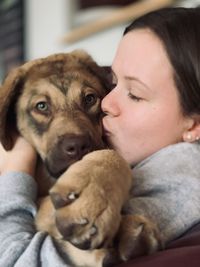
20, 244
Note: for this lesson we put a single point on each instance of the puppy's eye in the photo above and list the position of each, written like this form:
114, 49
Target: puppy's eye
42, 107
90, 99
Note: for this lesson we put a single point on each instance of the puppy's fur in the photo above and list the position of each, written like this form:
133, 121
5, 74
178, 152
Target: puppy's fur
55, 104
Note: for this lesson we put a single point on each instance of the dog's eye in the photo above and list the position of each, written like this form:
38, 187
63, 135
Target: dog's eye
42, 106
90, 99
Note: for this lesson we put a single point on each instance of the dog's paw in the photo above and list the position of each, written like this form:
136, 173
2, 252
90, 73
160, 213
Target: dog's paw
137, 236
91, 258
111, 258
60, 200
88, 199
85, 217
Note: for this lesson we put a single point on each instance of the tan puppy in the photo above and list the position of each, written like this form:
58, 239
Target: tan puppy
55, 104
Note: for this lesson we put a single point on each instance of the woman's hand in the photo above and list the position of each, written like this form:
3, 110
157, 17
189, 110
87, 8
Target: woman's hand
22, 158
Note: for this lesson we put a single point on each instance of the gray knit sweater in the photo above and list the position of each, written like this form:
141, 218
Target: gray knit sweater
166, 188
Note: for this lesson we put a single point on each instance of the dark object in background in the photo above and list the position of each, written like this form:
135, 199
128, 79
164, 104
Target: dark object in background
90, 3
11, 35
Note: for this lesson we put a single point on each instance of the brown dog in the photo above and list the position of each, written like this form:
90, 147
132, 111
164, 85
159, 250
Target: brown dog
55, 104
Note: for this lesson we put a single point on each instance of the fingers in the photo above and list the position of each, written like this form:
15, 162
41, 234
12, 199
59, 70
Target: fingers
22, 157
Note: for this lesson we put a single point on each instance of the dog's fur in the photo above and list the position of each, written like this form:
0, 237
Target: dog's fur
55, 104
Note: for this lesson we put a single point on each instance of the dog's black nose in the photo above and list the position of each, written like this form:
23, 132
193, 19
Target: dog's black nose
76, 147
68, 150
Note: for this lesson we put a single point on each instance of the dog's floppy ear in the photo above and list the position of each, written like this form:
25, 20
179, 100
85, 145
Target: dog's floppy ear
8, 93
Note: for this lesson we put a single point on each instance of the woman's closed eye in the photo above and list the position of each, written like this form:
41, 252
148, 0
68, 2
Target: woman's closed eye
134, 97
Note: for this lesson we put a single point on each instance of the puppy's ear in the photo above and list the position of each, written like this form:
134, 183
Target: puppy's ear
103, 73
9, 91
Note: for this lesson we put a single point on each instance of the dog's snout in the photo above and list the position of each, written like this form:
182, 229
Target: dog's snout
76, 147
68, 150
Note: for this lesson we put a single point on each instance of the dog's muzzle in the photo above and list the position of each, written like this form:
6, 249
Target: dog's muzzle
68, 150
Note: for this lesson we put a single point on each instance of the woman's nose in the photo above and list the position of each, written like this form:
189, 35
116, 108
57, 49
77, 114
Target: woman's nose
110, 105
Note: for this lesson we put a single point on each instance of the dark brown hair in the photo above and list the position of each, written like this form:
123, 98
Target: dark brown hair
179, 31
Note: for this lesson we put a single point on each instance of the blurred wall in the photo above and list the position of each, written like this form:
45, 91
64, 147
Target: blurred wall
46, 21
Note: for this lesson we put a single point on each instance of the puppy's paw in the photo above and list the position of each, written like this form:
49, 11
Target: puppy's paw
88, 199
111, 258
60, 200
137, 236
90, 258
88, 222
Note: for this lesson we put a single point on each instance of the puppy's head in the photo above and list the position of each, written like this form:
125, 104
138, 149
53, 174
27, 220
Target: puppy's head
54, 103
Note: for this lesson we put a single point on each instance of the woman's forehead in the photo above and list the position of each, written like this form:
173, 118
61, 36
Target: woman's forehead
140, 51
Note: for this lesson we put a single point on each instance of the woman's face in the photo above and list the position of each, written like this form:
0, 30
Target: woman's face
143, 112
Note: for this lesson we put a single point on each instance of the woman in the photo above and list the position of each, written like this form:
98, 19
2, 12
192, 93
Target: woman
152, 120
153, 116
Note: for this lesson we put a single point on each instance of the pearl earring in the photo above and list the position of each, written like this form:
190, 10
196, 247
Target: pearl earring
197, 138
189, 137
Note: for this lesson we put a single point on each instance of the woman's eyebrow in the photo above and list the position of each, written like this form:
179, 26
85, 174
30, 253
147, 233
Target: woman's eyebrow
131, 78
135, 79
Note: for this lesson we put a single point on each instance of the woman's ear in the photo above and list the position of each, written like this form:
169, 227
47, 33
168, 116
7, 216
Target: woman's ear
192, 133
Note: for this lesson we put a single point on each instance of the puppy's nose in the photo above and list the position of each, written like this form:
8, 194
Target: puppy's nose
76, 147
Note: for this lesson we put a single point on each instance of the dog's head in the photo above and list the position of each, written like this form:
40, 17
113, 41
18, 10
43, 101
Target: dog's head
54, 103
